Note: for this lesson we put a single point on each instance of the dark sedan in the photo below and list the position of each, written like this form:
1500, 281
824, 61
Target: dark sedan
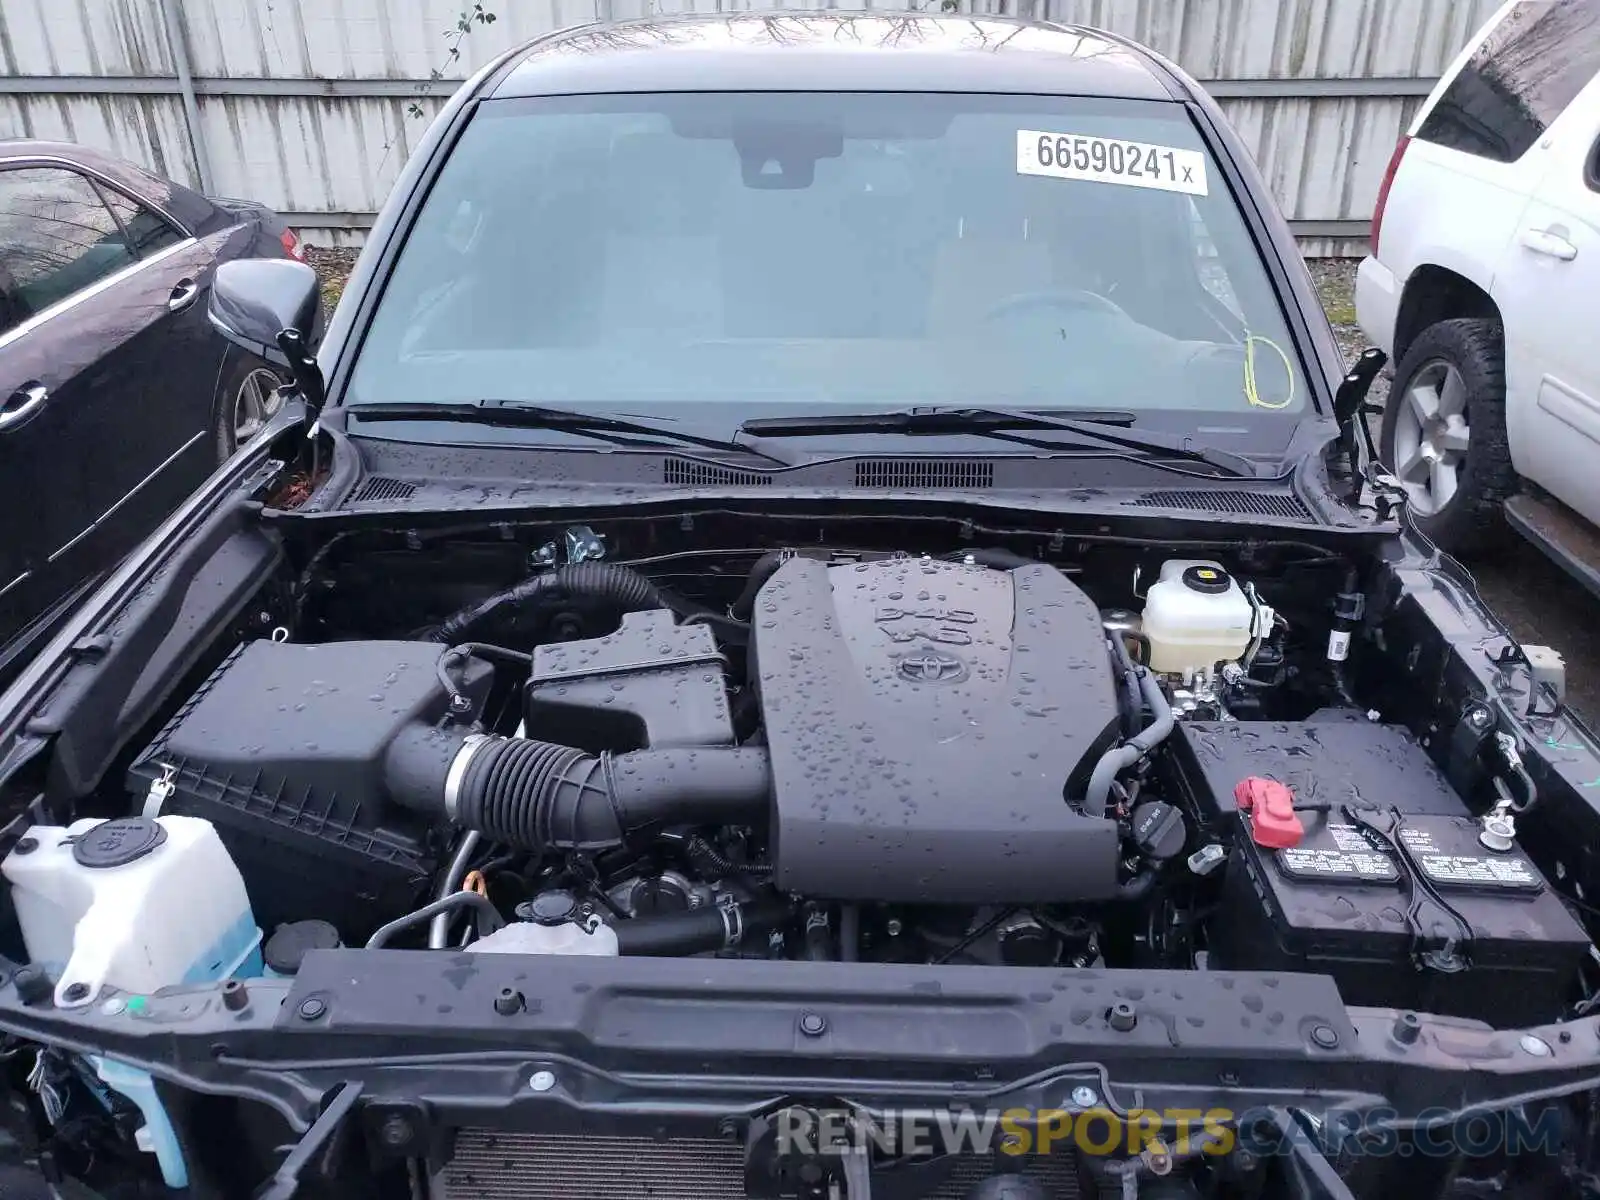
116, 397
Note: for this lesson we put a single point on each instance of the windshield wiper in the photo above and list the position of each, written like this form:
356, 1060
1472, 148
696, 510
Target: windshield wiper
1108, 427
515, 415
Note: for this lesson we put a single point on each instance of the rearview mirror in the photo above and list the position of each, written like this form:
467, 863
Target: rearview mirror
268, 306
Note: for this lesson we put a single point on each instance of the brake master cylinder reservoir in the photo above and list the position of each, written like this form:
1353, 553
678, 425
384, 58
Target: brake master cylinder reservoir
1196, 615
135, 904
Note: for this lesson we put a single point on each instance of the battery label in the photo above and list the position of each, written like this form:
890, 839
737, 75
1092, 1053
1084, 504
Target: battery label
1350, 858
1500, 872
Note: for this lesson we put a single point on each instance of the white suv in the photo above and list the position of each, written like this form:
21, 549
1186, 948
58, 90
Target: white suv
1484, 288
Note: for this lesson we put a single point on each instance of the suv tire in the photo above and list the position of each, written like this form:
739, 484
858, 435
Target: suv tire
1444, 434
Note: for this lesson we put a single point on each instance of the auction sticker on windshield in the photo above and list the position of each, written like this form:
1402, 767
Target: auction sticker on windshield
1111, 160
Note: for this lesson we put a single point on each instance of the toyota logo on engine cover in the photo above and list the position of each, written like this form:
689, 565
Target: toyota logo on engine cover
932, 666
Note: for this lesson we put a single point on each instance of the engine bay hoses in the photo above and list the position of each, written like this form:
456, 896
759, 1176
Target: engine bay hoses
483, 909
610, 584
765, 568
715, 927
439, 928
1127, 683
1119, 758
540, 795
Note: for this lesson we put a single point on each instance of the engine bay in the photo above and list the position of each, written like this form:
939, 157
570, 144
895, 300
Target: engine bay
1091, 771
974, 757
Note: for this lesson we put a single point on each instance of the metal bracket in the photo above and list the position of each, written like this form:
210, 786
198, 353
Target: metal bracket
161, 789
583, 545
313, 1151
732, 919
1463, 764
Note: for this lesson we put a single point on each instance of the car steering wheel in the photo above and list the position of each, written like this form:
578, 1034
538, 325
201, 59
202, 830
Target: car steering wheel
1054, 298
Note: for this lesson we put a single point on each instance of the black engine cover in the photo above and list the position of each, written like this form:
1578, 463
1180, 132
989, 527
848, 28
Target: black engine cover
927, 722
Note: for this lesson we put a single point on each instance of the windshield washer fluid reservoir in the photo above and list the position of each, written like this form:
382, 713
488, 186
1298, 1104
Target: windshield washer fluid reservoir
1196, 615
135, 904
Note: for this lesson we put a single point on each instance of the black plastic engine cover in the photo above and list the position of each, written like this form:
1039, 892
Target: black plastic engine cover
652, 682
927, 722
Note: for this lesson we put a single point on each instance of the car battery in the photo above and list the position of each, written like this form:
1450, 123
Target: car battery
1388, 890
1332, 760
1422, 916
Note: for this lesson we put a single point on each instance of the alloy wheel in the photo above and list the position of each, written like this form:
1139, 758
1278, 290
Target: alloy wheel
1432, 436
255, 403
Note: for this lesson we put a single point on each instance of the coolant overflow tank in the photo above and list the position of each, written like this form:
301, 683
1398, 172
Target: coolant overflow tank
526, 937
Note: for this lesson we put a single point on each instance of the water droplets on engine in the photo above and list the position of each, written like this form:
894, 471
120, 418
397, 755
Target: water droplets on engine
891, 690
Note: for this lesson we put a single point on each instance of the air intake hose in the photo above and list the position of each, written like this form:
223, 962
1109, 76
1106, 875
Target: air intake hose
541, 795
610, 584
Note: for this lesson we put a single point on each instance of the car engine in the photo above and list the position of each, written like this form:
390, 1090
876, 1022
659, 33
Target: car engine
970, 758
893, 694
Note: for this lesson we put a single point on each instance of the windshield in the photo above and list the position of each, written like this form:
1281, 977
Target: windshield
832, 249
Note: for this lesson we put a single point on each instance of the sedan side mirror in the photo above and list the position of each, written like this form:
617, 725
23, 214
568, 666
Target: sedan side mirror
269, 307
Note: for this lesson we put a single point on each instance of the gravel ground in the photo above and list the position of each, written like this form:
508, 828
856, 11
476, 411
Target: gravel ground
1336, 284
1536, 600
334, 267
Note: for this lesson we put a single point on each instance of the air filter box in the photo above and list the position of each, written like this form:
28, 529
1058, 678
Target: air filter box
283, 748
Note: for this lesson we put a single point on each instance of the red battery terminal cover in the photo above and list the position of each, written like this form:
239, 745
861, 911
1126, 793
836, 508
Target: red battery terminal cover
1273, 822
